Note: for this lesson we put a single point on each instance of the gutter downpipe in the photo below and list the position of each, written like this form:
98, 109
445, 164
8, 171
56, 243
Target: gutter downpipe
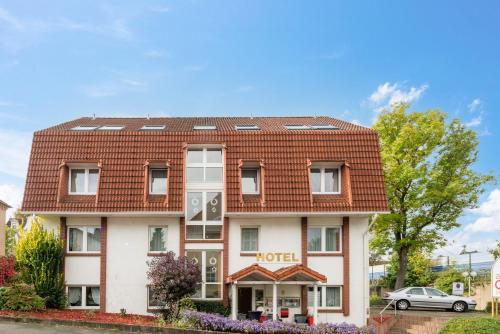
365, 268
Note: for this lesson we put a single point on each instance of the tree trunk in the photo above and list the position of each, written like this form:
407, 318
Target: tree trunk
403, 264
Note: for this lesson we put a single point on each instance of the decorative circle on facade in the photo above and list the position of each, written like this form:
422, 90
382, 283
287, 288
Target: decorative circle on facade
212, 261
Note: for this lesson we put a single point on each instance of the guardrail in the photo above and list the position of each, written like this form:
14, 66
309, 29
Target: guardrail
385, 308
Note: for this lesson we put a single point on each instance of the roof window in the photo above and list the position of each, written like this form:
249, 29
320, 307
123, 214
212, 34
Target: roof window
204, 127
153, 127
84, 128
111, 127
297, 127
247, 127
324, 127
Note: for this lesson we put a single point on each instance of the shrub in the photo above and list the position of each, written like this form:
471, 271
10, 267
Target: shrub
445, 280
210, 306
20, 297
7, 268
376, 300
214, 322
172, 279
487, 309
474, 325
39, 254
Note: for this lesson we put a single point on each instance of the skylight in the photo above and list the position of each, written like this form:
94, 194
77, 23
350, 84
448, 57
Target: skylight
247, 127
111, 127
204, 127
324, 127
84, 128
153, 127
297, 127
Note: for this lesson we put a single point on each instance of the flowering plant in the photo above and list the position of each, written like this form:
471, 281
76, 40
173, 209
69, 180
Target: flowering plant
215, 322
7, 268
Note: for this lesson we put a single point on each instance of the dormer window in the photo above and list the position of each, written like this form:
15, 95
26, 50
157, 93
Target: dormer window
325, 180
83, 180
158, 181
250, 179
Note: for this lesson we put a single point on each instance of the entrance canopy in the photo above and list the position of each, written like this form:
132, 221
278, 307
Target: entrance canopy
295, 273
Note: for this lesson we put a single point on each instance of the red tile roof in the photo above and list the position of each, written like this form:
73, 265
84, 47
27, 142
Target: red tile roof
285, 155
282, 274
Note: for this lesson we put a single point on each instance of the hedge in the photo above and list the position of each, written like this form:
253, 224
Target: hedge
473, 325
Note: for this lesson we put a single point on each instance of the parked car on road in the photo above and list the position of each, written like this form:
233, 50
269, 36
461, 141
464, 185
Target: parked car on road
404, 298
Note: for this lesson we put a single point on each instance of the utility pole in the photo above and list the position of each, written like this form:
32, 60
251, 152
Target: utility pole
469, 274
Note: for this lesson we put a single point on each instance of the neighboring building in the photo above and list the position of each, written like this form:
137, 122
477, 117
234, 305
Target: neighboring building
271, 209
3, 217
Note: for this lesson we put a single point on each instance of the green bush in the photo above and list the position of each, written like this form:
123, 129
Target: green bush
445, 280
209, 306
20, 297
488, 307
39, 255
376, 300
475, 325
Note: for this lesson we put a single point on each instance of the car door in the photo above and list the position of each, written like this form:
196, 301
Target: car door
436, 298
416, 296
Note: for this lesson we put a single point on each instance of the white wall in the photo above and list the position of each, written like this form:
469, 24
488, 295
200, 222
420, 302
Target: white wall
275, 235
127, 250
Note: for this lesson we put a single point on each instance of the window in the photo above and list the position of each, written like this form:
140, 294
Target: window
246, 127
158, 181
152, 301
84, 239
204, 127
249, 239
323, 127
325, 180
328, 296
416, 291
297, 127
83, 181
204, 166
83, 296
323, 239
209, 263
157, 239
204, 215
111, 127
153, 127
250, 180
434, 292
84, 128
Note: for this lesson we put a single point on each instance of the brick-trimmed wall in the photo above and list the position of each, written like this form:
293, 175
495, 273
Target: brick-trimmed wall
345, 245
225, 262
303, 247
182, 233
102, 279
63, 235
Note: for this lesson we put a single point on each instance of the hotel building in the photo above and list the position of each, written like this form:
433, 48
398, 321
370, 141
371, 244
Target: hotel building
274, 210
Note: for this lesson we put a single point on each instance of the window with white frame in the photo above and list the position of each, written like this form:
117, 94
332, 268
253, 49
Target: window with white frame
250, 179
158, 181
328, 296
204, 215
84, 239
153, 302
209, 263
157, 238
325, 180
249, 239
83, 181
324, 239
204, 165
83, 296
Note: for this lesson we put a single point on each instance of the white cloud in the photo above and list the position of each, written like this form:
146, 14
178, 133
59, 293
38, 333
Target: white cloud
476, 121
474, 105
489, 215
12, 195
10, 19
388, 94
15, 155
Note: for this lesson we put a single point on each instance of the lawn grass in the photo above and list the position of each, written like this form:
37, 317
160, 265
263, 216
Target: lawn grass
473, 325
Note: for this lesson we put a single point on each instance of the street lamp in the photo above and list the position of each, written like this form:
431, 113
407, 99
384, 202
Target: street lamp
469, 275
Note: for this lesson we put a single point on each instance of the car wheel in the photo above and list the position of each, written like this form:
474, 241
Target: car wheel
402, 304
459, 307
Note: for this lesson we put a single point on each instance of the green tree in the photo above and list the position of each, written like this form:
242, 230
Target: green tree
445, 280
429, 180
495, 252
10, 241
418, 272
39, 255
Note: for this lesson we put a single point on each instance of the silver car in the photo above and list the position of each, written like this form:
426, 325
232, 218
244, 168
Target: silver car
428, 297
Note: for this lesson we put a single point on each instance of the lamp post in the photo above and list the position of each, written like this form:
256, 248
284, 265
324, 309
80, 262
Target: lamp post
468, 275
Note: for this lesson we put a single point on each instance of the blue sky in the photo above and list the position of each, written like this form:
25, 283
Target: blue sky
65, 59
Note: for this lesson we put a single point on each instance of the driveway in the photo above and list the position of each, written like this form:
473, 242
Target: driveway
8, 327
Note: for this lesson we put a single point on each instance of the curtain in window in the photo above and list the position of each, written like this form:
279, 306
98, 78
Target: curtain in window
78, 180
75, 296
310, 296
157, 242
159, 181
249, 239
214, 206
316, 180
93, 175
249, 181
76, 239
333, 296
93, 239
93, 296
332, 239
314, 240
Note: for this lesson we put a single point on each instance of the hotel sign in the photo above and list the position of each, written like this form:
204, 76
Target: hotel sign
276, 257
